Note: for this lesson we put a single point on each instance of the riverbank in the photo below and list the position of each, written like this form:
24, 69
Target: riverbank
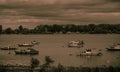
64, 29
59, 68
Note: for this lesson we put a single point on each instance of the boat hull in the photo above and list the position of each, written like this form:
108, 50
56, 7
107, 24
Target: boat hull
26, 53
20, 45
110, 49
6, 48
92, 54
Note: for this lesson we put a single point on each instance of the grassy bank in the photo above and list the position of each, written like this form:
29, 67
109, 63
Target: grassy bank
59, 68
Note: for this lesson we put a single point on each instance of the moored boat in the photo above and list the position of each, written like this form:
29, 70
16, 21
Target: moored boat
89, 52
28, 51
8, 48
115, 47
78, 44
25, 45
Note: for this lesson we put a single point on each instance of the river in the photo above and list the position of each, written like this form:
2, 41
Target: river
55, 46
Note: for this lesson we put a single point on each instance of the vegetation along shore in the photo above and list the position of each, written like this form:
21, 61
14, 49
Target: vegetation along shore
35, 66
65, 29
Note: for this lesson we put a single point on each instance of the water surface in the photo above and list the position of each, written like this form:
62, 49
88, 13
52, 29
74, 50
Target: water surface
55, 46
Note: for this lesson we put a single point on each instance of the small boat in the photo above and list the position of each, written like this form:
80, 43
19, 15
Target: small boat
35, 43
25, 45
29, 51
89, 52
8, 48
78, 44
115, 47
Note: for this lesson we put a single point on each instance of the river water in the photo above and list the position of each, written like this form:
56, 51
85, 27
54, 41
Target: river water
55, 46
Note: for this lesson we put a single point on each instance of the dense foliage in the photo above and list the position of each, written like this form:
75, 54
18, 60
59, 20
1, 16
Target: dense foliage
35, 66
68, 28
0, 29
59, 68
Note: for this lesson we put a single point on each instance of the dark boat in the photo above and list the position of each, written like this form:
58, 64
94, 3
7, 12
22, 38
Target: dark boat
28, 51
8, 48
115, 47
89, 52
25, 45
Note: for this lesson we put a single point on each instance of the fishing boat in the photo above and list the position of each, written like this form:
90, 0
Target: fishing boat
115, 47
78, 44
8, 48
28, 51
89, 52
25, 45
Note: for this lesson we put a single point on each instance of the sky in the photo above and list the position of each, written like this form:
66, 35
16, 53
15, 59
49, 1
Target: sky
31, 13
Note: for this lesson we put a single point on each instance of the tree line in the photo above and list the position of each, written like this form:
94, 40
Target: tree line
64, 29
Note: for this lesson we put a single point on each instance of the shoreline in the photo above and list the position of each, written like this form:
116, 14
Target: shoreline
59, 68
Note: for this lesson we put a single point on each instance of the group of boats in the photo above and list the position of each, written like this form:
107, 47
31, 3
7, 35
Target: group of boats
90, 52
27, 51
78, 44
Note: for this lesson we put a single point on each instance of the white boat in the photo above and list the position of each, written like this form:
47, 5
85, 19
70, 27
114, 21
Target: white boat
76, 44
89, 52
25, 45
115, 47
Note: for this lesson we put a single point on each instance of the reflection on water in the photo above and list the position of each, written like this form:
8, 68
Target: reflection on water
55, 46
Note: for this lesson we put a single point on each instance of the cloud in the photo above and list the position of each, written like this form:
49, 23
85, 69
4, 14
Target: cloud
32, 12
49, 2
113, 0
85, 5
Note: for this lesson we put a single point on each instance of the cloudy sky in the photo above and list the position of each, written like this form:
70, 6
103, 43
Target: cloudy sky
30, 13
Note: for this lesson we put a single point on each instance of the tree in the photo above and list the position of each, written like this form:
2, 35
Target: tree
0, 29
8, 31
3, 68
46, 65
34, 62
48, 60
20, 28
